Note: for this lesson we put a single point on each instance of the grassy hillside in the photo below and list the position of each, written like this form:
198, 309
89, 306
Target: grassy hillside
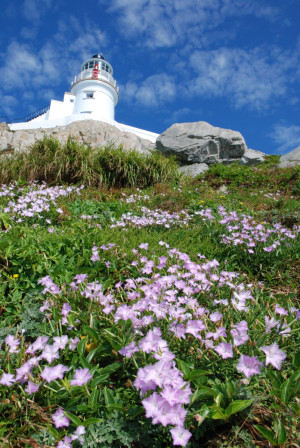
143, 309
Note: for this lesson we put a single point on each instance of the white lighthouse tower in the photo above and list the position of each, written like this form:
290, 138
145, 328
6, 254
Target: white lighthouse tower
95, 90
94, 95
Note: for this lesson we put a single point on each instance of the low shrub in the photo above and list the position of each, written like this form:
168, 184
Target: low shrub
47, 160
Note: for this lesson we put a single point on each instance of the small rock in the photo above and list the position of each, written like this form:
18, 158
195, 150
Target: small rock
193, 170
223, 189
252, 157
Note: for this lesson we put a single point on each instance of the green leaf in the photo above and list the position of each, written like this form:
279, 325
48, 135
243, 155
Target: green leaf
108, 397
73, 418
111, 368
218, 399
104, 373
218, 415
84, 362
203, 394
99, 379
286, 390
94, 397
81, 346
237, 406
91, 333
91, 355
116, 346
281, 436
136, 411
83, 408
231, 387
196, 374
53, 432
116, 407
200, 381
296, 376
184, 367
4, 243
275, 378
296, 360
269, 435
92, 420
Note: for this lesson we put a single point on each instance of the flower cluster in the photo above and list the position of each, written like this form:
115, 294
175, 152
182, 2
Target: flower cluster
166, 406
40, 365
152, 218
244, 230
34, 201
174, 298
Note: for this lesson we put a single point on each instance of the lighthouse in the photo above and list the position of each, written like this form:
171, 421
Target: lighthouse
95, 91
93, 95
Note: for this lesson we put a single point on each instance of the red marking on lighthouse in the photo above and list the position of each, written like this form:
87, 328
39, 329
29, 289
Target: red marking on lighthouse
95, 72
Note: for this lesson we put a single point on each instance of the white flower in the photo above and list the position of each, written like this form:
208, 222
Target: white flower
275, 356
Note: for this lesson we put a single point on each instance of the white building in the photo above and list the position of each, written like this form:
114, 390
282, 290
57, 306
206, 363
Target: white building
94, 95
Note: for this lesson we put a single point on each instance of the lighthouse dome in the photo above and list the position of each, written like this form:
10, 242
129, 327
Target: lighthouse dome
98, 56
97, 61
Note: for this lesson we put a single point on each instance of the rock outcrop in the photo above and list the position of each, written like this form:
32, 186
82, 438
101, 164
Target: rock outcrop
87, 132
194, 170
201, 142
290, 159
252, 157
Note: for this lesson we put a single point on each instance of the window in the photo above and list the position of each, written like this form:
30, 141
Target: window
90, 94
91, 64
71, 101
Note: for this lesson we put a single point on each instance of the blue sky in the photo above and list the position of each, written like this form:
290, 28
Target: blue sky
232, 63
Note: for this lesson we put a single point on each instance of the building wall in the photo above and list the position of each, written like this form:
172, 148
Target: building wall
103, 101
60, 109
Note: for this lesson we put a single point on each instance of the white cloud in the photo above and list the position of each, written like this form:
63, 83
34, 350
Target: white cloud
287, 137
178, 115
152, 92
249, 7
27, 67
8, 105
21, 64
28, 33
175, 22
254, 78
26, 70
33, 10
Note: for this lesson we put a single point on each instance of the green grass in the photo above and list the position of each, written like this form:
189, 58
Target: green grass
60, 245
49, 161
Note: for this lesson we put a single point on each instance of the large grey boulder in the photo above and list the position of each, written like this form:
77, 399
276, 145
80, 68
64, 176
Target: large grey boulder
201, 142
193, 170
290, 159
86, 132
252, 157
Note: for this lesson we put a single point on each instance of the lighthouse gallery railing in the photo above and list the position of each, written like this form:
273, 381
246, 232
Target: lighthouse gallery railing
100, 74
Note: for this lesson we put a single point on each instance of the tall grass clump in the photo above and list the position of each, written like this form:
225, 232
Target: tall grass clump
50, 161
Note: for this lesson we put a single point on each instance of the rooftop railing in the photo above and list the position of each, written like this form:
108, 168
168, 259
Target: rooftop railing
93, 74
